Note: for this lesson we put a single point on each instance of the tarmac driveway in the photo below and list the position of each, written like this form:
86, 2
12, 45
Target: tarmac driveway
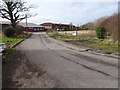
68, 66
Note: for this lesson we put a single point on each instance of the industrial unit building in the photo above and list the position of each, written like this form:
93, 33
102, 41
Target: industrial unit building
31, 27
51, 26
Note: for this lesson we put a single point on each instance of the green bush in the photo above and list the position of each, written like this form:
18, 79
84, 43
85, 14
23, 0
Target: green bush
65, 29
100, 32
9, 32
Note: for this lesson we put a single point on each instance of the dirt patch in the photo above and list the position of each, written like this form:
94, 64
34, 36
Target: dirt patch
19, 73
85, 43
9, 67
79, 41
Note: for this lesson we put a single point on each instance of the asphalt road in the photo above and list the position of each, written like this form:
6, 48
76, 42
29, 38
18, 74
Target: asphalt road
68, 66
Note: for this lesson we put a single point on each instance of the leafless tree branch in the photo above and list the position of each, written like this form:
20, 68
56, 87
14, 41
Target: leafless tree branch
13, 11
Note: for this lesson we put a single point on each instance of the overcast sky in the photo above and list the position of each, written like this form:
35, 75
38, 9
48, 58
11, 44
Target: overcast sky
77, 11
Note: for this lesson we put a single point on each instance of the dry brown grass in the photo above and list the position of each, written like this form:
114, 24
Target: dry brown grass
81, 34
78, 32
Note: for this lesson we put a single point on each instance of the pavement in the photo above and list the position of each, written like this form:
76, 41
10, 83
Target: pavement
68, 66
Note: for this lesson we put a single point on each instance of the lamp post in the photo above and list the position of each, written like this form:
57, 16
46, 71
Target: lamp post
60, 26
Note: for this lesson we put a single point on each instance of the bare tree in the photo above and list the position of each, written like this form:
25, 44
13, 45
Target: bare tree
111, 25
90, 25
14, 11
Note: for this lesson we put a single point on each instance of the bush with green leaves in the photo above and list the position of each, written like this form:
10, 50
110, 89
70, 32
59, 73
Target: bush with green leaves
65, 29
100, 32
9, 32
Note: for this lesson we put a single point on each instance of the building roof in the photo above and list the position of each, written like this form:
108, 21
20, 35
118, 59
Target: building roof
4, 22
22, 24
29, 25
49, 23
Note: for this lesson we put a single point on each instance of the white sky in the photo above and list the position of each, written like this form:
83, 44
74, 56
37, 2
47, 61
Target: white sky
75, 11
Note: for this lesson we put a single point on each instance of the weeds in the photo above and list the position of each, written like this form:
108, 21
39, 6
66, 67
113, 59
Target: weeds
92, 42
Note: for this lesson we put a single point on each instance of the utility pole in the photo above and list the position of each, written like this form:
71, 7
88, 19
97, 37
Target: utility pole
70, 25
77, 26
26, 24
60, 26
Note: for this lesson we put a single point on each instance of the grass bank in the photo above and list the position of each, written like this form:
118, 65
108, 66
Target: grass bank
11, 41
86, 41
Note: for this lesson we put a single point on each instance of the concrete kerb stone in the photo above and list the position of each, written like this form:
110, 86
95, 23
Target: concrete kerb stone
14, 45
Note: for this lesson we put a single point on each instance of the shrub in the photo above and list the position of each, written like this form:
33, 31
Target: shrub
9, 32
111, 25
18, 30
65, 29
100, 32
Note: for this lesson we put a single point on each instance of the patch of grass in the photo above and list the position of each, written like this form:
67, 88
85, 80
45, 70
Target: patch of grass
102, 44
11, 41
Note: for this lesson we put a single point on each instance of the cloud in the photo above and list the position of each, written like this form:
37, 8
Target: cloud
72, 0
75, 12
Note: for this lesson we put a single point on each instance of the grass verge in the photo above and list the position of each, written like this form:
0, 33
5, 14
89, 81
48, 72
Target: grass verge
87, 42
11, 41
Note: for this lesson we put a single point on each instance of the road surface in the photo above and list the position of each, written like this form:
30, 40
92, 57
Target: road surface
68, 66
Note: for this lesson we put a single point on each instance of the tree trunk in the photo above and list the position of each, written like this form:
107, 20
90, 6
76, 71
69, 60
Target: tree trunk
13, 24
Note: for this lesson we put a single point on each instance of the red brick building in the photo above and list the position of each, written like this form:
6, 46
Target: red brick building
52, 26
